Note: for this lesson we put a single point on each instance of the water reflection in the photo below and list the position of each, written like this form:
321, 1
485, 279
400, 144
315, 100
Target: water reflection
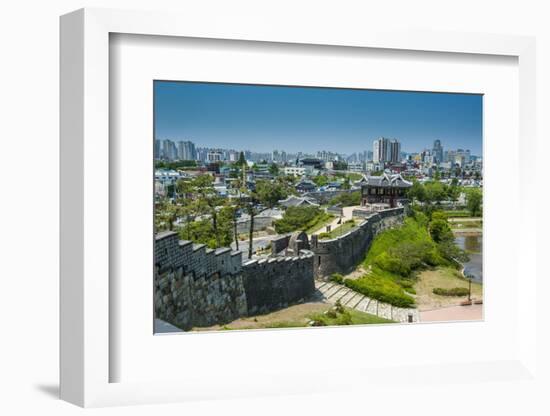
473, 244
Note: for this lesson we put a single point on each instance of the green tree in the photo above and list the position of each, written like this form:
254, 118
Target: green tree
297, 218
474, 199
269, 193
274, 169
242, 161
347, 199
320, 180
417, 192
440, 230
435, 192
453, 192
207, 201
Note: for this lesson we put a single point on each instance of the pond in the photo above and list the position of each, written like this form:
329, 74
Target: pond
473, 244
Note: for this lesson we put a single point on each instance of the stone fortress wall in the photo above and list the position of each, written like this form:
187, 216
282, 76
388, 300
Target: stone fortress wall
277, 282
342, 254
197, 286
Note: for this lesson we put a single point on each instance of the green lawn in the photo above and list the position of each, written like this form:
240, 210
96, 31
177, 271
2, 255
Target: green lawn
348, 317
300, 316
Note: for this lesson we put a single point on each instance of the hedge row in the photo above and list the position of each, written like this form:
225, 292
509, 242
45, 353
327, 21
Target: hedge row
455, 291
382, 289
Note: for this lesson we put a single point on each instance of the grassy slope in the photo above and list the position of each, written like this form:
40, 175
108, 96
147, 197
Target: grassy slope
382, 284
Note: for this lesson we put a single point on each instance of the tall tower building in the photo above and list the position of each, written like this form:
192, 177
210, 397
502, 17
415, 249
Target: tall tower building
381, 150
386, 150
395, 151
168, 150
186, 150
437, 151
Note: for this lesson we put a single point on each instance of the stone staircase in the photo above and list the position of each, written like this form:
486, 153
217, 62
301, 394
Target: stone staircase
332, 292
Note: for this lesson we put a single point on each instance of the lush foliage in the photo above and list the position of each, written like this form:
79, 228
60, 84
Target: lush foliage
347, 199
321, 180
440, 230
397, 254
270, 193
474, 199
299, 218
339, 315
382, 289
336, 278
434, 192
455, 291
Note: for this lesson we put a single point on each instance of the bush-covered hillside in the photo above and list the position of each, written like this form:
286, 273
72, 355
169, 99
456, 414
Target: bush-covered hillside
396, 254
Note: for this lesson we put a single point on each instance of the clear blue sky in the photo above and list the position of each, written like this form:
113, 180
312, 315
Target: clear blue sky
264, 118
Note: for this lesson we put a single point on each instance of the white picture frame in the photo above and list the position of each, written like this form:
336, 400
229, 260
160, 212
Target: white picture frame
86, 335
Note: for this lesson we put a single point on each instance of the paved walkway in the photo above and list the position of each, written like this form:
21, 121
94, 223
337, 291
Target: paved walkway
332, 292
453, 313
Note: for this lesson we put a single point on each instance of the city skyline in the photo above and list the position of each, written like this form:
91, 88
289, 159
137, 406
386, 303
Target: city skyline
297, 119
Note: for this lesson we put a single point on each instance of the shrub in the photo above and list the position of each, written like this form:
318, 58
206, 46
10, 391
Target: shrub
406, 283
440, 230
324, 236
382, 289
337, 278
391, 263
331, 314
344, 318
455, 291
439, 215
298, 218
347, 199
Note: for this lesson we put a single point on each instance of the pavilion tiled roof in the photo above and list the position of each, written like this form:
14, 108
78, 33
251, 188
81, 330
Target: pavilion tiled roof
385, 181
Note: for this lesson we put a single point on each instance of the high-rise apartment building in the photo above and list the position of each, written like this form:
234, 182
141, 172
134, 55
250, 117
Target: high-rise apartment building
395, 151
437, 151
386, 150
168, 150
186, 150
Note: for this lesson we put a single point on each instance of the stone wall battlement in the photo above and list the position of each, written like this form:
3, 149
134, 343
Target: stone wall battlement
277, 282
195, 259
